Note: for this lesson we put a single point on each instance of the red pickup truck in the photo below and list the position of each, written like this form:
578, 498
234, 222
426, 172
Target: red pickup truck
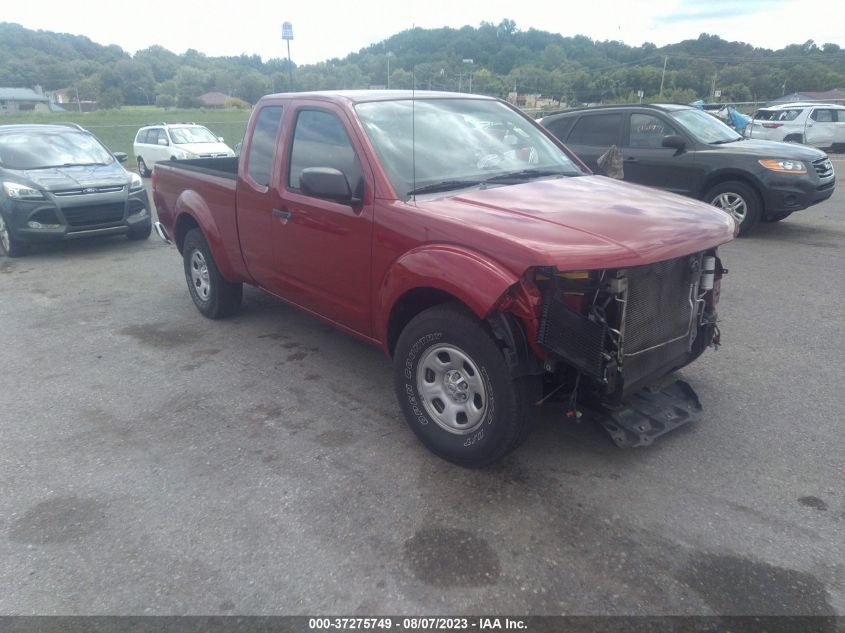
470, 245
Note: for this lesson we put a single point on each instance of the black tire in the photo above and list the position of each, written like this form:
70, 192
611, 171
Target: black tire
743, 198
794, 138
214, 296
8, 244
450, 336
777, 218
140, 232
143, 170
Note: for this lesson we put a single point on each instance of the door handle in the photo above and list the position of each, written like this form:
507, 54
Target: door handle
282, 214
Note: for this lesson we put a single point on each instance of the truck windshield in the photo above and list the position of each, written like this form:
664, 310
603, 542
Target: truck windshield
705, 127
183, 135
27, 149
456, 143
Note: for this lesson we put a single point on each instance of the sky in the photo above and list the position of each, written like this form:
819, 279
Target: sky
329, 29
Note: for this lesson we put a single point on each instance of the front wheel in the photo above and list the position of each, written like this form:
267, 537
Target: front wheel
739, 200
455, 389
143, 170
214, 296
8, 244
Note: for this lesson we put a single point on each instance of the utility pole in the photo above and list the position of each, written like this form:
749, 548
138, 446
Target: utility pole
663, 76
287, 35
470, 62
713, 89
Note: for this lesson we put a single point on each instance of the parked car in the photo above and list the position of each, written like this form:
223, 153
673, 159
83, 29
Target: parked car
687, 151
458, 236
816, 124
176, 141
59, 182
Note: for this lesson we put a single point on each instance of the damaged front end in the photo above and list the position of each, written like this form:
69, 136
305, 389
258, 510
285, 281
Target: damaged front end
609, 336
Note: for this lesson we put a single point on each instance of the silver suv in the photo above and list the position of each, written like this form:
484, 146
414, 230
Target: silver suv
815, 124
176, 141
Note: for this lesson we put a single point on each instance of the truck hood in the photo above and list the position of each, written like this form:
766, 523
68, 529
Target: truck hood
581, 223
74, 177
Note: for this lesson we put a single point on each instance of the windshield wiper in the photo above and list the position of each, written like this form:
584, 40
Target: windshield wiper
725, 140
525, 174
444, 185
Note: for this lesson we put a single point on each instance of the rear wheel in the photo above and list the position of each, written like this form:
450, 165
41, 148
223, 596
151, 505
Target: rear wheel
794, 138
143, 170
214, 296
739, 200
455, 389
8, 244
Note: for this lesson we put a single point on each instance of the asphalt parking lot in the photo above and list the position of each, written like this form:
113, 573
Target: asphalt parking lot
155, 462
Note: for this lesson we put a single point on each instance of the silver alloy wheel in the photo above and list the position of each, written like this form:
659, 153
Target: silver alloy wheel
199, 275
5, 240
732, 203
452, 389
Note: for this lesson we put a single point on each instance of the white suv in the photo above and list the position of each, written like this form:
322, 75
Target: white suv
176, 141
816, 124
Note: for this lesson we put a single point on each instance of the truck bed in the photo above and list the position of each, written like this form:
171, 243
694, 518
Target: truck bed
208, 186
225, 167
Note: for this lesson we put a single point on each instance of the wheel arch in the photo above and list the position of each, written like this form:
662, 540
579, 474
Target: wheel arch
727, 175
432, 275
191, 212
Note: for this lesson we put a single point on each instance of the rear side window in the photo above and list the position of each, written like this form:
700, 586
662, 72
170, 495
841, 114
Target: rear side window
597, 129
823, 116
142, 136
560, 127
778, 115
840, 115
648, 131
320, 140
260, 160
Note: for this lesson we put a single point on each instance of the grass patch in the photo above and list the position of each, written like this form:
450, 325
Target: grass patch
117, 128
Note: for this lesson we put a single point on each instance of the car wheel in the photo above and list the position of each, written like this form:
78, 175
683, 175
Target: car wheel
8, 244
738, 199
214, 296
777, 218
141, 232
455, 389
143, 170
794, 138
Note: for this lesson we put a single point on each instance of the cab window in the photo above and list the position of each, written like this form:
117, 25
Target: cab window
320, 140
259, 162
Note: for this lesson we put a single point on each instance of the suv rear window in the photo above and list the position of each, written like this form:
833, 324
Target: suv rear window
778, 115
597, 129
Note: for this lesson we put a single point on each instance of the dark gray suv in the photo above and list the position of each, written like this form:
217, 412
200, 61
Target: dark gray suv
59, 182
687, 151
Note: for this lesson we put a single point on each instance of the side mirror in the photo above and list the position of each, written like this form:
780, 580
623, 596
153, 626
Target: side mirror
163, 141
674, 141
121, 156
326, 182
220, 138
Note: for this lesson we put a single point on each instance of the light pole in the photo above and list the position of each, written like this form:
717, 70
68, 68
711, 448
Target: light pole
389, 54
287, 35
469, 61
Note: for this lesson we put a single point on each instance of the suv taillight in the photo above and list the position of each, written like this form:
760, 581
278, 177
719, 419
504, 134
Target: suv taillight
772, 125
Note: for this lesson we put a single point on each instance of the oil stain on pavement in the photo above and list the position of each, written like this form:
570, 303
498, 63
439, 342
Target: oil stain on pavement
449, 557
58, 520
